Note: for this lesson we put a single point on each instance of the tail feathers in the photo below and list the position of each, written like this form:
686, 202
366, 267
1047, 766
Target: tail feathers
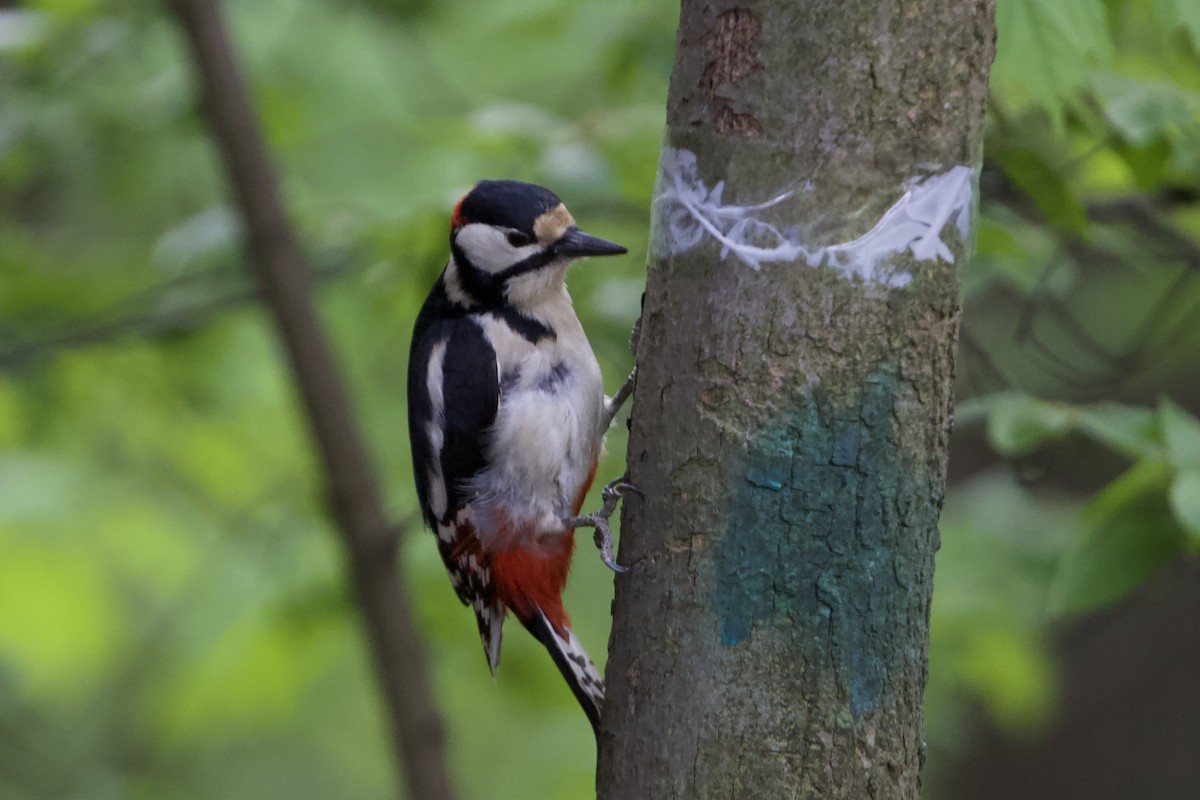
572, 661
489, 616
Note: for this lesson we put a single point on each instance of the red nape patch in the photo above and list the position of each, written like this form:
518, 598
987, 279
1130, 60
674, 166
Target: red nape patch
457, 220
526, 581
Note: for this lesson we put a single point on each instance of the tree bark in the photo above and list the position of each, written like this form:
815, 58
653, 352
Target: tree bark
793, 404
370, 540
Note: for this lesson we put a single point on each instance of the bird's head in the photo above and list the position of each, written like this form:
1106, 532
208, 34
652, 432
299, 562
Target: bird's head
512, 243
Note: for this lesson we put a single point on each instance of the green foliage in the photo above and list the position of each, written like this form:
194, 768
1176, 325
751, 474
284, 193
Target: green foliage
1046, 50
1019, 424
1079, 315
1047, 187
1182, 14
173, 616
1000, 545
1126, 534
1137, 523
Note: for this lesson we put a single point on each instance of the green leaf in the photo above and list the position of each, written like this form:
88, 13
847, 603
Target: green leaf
1014, 675
1044, 51
1130, 430
1047, 187
35, 486
1185, 155
1017, 252
1144, 111
1020, 424
1147, 165
1128, 533
1185, 501
1181, 433
995, 239
70, 9
996, 245
59, 623
1181, 14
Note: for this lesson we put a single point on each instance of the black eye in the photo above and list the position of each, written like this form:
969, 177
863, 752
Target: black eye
518, 239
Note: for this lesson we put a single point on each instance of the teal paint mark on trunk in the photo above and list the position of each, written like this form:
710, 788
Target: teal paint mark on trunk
818, 506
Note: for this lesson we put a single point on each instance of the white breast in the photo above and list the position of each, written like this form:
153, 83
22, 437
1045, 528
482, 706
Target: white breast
547, 432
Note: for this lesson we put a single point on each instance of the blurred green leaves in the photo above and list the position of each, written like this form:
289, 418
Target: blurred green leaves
1185, 500
1137, 523
1018, 424
1000, 545
1048, 188
1182, 14
59, 627
1080, 309
1126, 533
1182, 434
1046, 50
173, 619
1143, 111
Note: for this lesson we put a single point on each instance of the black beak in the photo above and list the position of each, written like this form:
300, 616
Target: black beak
577, 244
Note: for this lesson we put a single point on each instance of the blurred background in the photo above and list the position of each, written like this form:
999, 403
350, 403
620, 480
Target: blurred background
173, 617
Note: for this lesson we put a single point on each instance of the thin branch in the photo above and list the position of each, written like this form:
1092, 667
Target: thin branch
148, 314
354, 496
152, 317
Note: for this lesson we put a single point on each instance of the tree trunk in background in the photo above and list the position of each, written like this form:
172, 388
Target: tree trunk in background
354, 499
791, 415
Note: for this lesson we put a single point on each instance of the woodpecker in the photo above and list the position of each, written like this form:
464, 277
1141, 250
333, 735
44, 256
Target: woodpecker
507, 414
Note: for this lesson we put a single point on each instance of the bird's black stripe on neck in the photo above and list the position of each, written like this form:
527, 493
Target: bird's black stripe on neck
527, 327
487, 289
483, 287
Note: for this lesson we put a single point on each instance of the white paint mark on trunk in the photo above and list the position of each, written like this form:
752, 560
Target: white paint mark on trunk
686, 210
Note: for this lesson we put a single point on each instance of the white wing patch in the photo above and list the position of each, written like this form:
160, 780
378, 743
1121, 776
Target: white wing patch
433, 430
491, 627
470, 574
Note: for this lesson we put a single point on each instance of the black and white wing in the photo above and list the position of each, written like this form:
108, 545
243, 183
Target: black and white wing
453, 394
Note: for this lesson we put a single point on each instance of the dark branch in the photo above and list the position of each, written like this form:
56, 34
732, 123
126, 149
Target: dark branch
354, 495
149, 314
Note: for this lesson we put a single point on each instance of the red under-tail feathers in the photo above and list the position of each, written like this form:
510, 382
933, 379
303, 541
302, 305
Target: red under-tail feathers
531, 586
529, 581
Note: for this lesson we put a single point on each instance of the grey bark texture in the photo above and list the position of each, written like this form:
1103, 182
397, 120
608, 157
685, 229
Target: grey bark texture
790, 423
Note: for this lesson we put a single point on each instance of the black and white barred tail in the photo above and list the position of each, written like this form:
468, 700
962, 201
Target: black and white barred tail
573, 662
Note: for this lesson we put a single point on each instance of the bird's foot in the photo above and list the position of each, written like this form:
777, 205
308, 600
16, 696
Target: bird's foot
612, 495
613, 405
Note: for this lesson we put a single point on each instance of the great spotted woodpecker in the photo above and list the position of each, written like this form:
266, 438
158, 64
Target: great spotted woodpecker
506, 414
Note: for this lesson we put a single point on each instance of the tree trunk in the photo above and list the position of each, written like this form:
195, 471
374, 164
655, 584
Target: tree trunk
790, 421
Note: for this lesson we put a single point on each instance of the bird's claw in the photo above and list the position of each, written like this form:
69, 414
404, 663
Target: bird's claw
612, 494
604, 541
612, 406
617, 489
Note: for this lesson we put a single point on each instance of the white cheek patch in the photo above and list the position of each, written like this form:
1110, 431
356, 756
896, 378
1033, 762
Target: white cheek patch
487, 247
